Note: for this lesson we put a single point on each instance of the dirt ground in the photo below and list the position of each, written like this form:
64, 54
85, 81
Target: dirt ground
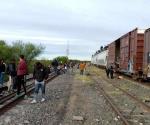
87, 102
71, 99
132, 110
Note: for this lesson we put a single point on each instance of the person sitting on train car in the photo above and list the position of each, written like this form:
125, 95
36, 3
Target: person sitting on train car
40, 75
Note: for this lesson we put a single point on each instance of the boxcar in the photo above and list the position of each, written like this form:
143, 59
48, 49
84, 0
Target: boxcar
131, 51
124, 52
114, 52
127, 52
146, 55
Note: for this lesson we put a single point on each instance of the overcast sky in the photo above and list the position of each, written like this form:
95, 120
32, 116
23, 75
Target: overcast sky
84, 24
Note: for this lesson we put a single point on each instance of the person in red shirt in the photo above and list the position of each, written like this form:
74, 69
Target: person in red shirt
21, 72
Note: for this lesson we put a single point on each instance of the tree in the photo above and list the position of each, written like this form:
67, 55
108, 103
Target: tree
29, 50
62, 59
2, 42
5, 51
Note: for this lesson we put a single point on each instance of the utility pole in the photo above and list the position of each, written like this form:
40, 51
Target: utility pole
67, 50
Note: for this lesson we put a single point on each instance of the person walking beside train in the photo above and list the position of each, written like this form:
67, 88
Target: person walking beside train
107, 71
111, 70
21, 72
11, 71
40, 75
82, 68
2, 72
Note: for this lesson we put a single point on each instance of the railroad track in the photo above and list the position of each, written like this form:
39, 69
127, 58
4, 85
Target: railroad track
138, 104
133, 97
10, 95
10, 100
111, 102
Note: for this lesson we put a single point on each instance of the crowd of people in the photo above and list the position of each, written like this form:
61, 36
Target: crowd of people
17, 75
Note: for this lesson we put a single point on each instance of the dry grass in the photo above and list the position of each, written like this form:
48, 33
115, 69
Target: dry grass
85, 79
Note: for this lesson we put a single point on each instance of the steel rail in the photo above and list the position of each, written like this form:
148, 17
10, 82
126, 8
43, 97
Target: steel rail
110, 101
141, 103
136, 99
12, 101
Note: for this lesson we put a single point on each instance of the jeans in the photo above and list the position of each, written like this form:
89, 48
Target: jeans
1, 78
81, 72
38, 86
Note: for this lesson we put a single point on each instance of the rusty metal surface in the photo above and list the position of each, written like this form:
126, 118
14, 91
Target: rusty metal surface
124, 51
137, 53
114, 52
146, 62
111, 53
131, 51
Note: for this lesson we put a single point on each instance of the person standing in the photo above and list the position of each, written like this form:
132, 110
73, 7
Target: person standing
65, 68
72, 66
55, 65
2, 72
21, 72
111, 70
107, 71
40, 75
11, 71
82, 67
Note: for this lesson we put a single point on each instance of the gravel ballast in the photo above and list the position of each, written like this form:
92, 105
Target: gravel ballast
71, 99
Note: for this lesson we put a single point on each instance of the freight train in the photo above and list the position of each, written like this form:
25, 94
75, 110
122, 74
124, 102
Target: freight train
129, 54
100, 58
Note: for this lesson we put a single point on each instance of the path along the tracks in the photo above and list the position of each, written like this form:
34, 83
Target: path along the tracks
71, 99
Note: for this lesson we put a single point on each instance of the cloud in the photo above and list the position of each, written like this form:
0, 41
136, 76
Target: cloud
86, 24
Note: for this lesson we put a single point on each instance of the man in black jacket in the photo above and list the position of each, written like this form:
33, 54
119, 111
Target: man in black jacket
40, 75
11, 71
111, 70
55, 65
2, 72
